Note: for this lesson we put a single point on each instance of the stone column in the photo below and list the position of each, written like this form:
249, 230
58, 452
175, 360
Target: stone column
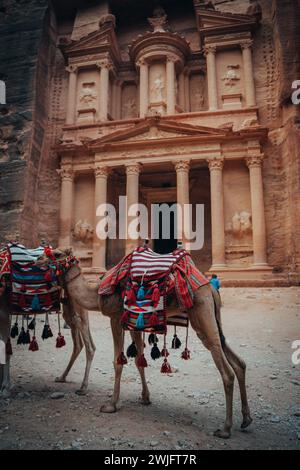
72, 94
181, 89
187, 91
104, 67
170, 74
144, 87
210, 53
248, 73
118, 99
217, 213
66, 206
99, 245
258, 211
132, 194
183, 197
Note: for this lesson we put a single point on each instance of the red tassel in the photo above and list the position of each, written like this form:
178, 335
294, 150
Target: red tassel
22, 301
125, 317
130, 296
122, 359
48, 276
153, 319
166, 368
60, 341
23, 288
33, 346
164, 352
155, 296
8, 347
186, 354
141, 362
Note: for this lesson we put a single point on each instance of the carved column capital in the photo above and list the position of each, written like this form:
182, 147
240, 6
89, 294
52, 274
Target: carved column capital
247, 44
101, 171
171, 58
72, 68
209, 49
105, 64
141, 61
216, 164
66, 173
182, 166
133, 169
254, 161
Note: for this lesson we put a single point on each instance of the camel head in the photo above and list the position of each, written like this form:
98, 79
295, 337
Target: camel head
60, 259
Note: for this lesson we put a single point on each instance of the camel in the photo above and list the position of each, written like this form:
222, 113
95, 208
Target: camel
76, 318
205, 319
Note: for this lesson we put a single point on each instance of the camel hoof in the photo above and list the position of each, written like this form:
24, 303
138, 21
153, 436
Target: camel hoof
246, 422
81, 392
60, 380
109, 408
145, 401
222, 434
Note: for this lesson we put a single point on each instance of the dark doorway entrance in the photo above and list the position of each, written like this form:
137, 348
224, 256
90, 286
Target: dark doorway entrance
165, 245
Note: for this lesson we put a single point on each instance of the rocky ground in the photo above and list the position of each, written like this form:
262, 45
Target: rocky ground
187, 406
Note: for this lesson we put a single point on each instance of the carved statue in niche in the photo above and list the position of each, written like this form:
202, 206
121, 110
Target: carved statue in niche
231, 77
88, 93
157, 89
129, 108
83, 231
199, 99
240, 225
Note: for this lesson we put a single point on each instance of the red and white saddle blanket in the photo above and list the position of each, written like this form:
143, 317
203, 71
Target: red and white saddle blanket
150, 277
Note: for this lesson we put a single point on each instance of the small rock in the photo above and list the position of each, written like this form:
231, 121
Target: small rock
275, 419
166, 433
153, 443
273, 377
57, 395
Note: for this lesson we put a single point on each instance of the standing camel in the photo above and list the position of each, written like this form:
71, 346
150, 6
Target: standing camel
204, 317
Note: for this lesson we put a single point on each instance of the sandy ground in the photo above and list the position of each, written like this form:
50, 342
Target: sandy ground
187, 406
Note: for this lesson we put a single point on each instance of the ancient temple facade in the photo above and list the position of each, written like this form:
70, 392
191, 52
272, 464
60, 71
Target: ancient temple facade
170, 102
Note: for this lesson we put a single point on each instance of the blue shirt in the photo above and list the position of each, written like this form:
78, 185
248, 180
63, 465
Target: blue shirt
215, 283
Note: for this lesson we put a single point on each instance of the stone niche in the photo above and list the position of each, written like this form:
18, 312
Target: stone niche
197, 89
87, 96
230, 79
129, 101
237, 214
157, 87
83, 218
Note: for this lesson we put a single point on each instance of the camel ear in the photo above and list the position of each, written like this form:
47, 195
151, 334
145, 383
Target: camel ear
68, 251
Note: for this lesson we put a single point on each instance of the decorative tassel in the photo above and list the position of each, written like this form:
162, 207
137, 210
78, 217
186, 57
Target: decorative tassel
164, 352
27, 337
155, 296
8, 347
35, 304
60, 341
176, 343
152, 338
22, 301
47, 333
122, 359
31, 325
33, 346
132, 350
166, 368
15, 330
141, 362
141, 293
153, 319
125, 317
21, 336
155, 352
186, 354
140, 324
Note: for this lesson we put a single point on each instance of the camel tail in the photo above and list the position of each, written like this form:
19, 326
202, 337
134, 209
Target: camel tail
217, 303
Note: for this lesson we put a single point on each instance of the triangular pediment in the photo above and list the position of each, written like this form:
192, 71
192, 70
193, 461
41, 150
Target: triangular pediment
216, 22
103, 40
157, 129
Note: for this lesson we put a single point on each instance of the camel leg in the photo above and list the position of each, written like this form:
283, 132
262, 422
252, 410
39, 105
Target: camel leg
89, 349
239, 368
138, 339
117, 333
203, 321
5, 384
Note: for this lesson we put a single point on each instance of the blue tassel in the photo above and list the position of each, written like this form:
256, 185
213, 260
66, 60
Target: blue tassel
35, 304
140, 321
141, 293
